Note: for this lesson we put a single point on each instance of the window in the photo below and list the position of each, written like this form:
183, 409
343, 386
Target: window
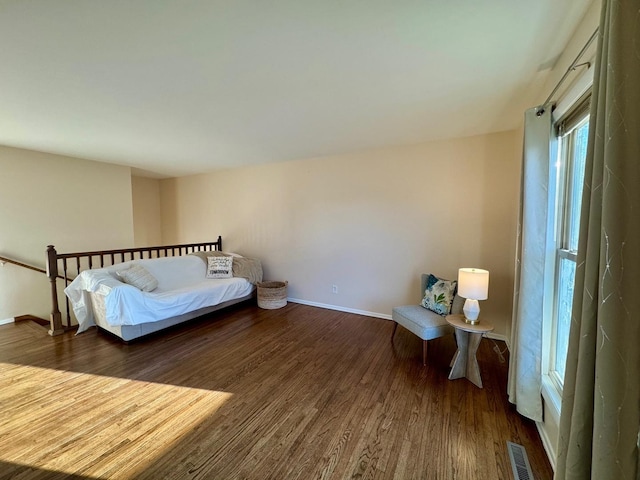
572, 142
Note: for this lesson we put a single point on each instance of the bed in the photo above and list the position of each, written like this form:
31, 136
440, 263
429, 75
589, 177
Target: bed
98, 296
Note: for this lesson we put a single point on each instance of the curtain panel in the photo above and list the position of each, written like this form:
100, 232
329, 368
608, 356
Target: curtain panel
525, 380
600, 419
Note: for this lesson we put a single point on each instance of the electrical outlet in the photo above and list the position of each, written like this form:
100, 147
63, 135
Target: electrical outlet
334, 289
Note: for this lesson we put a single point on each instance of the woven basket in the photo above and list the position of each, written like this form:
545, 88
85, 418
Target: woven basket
272, 295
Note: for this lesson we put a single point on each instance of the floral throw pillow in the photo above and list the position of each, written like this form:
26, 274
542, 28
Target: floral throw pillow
438, 296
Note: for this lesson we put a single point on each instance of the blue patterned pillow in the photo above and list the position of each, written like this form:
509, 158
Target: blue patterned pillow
438, 296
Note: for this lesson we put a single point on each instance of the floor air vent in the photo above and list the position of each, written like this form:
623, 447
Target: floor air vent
519, 462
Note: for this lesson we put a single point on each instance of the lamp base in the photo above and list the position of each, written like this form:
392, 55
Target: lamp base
471, 311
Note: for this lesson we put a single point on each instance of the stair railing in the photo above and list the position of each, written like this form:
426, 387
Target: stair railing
56, 324
4, 260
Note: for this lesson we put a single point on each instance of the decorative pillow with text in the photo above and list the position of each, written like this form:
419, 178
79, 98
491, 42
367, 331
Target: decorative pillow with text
219, 267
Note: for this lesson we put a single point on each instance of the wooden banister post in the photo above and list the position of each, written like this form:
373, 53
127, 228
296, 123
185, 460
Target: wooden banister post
52, 273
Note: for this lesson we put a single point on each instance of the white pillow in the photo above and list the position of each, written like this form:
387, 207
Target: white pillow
139, 277
219, 267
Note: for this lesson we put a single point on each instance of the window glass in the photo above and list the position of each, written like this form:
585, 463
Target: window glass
572, 156
577, 179
566, 279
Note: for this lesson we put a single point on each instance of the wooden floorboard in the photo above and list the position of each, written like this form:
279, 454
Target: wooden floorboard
294, 393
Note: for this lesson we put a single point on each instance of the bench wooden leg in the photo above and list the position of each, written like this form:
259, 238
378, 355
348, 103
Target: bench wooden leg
394, 331
424, 353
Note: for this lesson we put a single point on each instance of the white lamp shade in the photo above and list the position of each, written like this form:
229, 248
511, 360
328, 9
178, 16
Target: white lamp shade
473, 283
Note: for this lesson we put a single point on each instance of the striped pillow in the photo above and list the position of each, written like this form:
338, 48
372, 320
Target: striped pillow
139, 277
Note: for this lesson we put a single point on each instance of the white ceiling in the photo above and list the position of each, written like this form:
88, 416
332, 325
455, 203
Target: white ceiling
182, 87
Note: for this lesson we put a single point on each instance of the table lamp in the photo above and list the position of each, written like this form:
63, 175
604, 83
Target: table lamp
473, 284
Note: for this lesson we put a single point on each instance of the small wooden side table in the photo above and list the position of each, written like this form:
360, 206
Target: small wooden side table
465, 363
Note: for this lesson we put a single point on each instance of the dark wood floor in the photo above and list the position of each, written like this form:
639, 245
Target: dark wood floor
295, 393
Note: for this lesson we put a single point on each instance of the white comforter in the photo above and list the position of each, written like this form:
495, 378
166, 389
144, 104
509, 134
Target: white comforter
182, 288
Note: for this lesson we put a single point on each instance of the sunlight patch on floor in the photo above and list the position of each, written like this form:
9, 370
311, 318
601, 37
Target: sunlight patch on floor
92, 425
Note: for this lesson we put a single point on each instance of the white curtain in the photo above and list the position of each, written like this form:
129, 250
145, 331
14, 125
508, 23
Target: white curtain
525, 376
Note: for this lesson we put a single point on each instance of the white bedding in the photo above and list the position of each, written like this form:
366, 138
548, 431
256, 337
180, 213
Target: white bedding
182, 288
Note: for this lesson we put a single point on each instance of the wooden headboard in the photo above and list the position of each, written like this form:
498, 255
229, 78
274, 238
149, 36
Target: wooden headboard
66, 266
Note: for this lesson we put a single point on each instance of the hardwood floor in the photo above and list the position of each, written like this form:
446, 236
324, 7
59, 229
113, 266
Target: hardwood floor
295, 393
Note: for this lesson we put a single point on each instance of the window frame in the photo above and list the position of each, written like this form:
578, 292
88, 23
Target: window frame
558, 240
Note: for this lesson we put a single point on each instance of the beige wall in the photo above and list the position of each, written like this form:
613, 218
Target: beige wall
367, 222
70, 203
581, 35
146, 211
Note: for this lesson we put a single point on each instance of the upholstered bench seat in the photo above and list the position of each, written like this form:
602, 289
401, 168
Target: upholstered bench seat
423, 322
420, 321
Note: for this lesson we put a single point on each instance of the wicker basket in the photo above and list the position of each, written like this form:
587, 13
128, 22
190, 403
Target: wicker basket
272, 295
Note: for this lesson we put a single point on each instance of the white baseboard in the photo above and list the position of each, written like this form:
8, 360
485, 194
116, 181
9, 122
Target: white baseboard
495, 336
341, 309
546, 443
7, 321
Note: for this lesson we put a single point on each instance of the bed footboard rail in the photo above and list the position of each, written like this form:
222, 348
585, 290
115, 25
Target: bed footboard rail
67, 266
